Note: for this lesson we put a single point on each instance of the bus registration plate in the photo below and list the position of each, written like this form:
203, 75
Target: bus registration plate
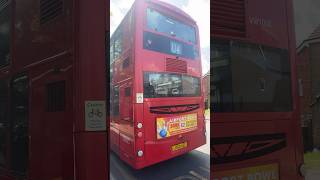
267, 172
179, 146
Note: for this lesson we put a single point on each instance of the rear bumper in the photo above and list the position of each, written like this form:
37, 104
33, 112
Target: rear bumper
155, 152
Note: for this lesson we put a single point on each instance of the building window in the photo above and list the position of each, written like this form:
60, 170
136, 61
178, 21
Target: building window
116, 45
115, 109
126, 63
111, 52
19, 123
3, 120
127, 91
5, 35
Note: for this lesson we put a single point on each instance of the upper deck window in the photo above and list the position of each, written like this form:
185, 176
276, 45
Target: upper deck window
5, 35
164, 24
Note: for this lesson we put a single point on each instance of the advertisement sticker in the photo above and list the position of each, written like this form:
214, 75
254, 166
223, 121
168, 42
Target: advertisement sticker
174, 125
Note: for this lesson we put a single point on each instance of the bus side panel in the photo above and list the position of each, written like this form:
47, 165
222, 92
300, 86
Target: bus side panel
114, 137
122, 131
126, 139
126, 144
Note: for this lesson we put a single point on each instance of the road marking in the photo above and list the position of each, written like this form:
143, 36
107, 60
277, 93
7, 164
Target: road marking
197, 175
185, 177
205, 169
112, 177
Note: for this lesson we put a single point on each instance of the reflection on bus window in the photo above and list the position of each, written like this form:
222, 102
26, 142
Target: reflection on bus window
164, 24
19, 124
3, 120
170, 85
116, 108
250, 78
116, 46
5, 29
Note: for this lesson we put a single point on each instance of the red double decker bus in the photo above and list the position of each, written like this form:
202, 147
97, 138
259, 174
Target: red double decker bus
157, 108
255, 129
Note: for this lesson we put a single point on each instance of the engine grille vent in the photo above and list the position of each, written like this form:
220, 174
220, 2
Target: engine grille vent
50, 9
174, 109
228, 17
175, 65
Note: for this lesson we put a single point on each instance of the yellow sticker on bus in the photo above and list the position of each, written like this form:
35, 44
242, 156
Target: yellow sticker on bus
174, 125
265, 172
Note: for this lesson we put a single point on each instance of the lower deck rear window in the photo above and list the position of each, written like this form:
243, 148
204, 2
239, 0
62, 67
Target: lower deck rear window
170, 85
250, 78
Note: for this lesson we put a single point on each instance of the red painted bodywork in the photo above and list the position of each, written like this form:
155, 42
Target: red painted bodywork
124, 138
70, 47
281, 35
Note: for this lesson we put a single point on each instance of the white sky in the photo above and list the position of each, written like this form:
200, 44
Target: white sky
199, 10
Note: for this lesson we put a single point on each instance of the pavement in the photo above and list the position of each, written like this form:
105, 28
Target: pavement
313, 175
206, 148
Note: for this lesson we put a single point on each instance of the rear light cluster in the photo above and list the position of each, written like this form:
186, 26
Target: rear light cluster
139, 126
140, 153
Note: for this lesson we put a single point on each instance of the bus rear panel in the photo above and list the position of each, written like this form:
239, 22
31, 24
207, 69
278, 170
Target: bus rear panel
255, 129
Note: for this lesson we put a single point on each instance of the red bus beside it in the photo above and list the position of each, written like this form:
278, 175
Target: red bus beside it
255, 128
52, 76
157, 109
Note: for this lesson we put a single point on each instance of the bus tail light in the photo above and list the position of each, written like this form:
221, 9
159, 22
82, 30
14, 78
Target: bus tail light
139, 125
140, 153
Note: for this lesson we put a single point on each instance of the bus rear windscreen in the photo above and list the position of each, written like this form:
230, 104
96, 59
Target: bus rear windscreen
170, 85
164, 24
250, 78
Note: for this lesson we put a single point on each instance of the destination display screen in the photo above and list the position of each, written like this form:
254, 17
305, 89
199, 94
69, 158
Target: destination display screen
163, 44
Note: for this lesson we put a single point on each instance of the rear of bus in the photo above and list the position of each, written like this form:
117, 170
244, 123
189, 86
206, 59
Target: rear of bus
255, 130
168, 108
